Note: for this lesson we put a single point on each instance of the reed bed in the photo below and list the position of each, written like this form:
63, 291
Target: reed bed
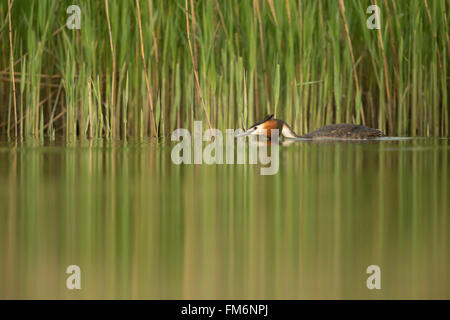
140, 68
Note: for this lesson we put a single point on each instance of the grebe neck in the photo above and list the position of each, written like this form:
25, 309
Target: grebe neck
287, 131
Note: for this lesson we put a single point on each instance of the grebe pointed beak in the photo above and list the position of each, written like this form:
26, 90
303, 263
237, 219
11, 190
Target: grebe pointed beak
245, 133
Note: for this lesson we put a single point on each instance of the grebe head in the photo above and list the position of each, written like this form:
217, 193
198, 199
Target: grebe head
265, 126
261, 128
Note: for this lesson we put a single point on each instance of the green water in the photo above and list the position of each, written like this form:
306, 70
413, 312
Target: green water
141, 227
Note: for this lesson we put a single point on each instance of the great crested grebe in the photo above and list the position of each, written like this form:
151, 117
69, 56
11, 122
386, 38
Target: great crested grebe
334, 131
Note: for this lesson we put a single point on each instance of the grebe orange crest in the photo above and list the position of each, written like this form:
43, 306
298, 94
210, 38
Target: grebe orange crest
334, 131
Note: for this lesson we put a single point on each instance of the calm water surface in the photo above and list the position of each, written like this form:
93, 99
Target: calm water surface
141, 227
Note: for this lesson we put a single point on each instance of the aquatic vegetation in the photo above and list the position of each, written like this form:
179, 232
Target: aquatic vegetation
145, 68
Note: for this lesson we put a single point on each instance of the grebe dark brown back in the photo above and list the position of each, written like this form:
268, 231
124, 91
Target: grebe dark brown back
334, 131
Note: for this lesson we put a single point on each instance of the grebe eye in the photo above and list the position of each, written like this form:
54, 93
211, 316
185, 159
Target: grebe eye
255, 128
